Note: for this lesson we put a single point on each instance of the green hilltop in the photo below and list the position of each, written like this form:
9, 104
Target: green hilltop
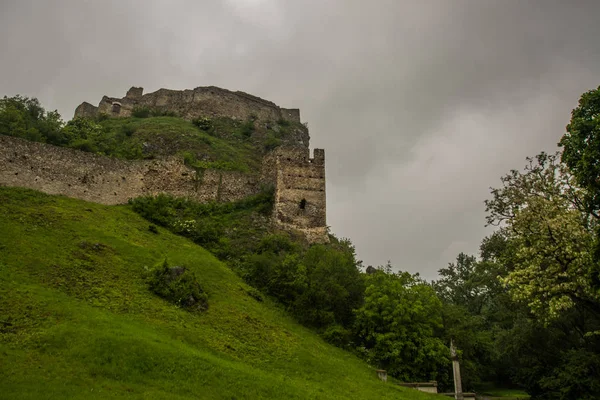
78, 319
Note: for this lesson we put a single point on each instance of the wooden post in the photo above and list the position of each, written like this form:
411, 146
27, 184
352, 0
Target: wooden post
458, 394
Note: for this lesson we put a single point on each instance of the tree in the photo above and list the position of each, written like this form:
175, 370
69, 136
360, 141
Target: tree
24, 117
465, 283
85, 134
397, 326
581, 147
334, 288
550, 237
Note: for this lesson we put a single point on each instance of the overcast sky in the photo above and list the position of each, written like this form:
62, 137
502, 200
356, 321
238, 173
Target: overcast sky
420, 105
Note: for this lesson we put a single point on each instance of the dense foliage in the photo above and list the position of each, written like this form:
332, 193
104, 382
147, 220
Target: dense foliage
527, 311
398, 326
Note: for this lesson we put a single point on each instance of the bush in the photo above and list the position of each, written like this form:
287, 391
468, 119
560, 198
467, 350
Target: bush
179, 286
127, 130
337, 335
283, 122
146, 112
141, 112
155, 112
247, 128
203, 123
271, 142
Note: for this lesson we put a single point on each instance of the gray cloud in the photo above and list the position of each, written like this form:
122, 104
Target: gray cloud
421, 106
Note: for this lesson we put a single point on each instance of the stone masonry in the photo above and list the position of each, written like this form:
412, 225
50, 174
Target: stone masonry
105, 180
300, 200
299, 181
207, 101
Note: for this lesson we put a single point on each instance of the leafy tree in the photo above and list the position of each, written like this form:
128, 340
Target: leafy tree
581, 147
465, 283
84, 134
550, 238
397, 326
335, 287
24, 117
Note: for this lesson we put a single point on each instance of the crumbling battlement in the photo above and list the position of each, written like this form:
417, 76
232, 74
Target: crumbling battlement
209, 101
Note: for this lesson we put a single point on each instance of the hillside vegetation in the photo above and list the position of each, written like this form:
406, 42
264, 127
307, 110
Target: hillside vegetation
78, 319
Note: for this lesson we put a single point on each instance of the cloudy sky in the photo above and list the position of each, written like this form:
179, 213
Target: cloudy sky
421, 105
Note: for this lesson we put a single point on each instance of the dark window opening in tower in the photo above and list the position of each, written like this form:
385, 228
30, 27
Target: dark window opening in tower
302, 204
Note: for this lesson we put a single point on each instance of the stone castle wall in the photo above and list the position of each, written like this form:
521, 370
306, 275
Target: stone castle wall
299, 180
105, 180
208, 101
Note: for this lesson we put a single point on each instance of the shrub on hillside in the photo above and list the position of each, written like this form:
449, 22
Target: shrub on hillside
179, 286
203, 123
247, 128
337, 335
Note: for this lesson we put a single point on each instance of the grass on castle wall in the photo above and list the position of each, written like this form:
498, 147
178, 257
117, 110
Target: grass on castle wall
160, 136
78, 321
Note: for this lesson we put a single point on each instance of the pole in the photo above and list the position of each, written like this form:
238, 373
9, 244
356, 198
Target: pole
458, 394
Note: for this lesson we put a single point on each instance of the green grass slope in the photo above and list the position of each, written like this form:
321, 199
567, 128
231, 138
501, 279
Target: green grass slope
78, 321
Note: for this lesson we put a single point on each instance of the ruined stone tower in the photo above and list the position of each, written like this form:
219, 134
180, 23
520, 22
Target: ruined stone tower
300, 200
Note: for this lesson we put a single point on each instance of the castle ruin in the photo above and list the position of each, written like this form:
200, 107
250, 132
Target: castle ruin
298, 179
209, 101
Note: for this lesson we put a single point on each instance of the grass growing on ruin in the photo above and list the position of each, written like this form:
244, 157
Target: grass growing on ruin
167, 136
77, 319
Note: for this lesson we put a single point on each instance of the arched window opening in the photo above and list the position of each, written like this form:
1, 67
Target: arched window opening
116, 108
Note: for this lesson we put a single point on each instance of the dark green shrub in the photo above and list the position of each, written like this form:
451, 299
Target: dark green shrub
277, 243
283, 122
155, 112
247, 128
84, 145
141, 112
153, 228
179, 286
337, 335
127, 130
206, 232
272, 142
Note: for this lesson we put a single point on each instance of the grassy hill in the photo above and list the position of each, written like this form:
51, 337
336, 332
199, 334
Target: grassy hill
77, 319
